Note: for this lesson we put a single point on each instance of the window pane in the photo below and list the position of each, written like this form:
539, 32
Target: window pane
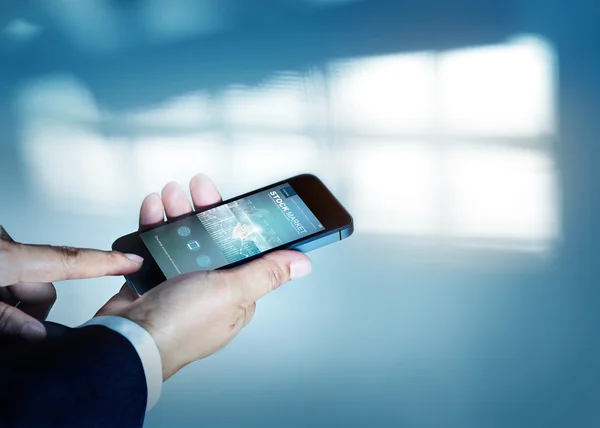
393, 188
505, 90
383, 95
502, 192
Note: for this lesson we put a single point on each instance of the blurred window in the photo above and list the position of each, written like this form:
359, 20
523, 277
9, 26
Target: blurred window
453, 146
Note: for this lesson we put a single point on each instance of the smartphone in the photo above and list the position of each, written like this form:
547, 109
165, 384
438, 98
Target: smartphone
299, 213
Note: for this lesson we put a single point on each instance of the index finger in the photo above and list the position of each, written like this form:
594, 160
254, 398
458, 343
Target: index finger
45, 263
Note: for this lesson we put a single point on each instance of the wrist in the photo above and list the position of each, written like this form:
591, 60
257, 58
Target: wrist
145, 347
161, 339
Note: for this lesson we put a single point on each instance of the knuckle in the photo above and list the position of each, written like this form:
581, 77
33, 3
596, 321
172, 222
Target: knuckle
114, 257
69, 258
249, 314
274, 275
3, 256
239, 317
4, 236
6, 246
240, 311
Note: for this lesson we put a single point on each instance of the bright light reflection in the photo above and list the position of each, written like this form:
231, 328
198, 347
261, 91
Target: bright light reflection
501, 192
71, 165
456, 146
258, 160
394, 188
502, 90
384, 95
75, 170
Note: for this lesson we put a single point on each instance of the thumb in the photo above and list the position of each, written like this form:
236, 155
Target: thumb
254, 280
118, 302
17, 323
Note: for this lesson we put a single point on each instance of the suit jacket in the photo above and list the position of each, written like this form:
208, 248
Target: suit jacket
76, 377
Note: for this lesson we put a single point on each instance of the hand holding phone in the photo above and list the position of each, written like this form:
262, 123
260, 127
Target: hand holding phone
299, 213
192, 316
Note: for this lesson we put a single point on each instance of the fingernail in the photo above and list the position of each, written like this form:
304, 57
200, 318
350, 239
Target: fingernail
300, 268
31, 331
135, 258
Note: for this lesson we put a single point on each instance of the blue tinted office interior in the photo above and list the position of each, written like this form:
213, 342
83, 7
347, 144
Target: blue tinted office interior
462, 137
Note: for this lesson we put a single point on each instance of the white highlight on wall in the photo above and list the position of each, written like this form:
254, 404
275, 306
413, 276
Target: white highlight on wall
454, 145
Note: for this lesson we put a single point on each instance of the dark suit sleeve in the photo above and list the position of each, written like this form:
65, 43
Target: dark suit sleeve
82, 377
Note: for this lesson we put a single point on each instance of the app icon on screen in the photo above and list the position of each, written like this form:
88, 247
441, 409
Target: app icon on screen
184, 231
193, 245
203, 261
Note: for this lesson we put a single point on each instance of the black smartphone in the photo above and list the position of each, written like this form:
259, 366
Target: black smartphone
299, 213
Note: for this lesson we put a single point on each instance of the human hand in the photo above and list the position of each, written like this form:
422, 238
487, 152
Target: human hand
26, 274
194, 315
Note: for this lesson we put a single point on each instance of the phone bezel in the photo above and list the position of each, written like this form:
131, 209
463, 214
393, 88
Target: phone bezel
319, 199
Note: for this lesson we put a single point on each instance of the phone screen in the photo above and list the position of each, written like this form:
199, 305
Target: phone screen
231, 232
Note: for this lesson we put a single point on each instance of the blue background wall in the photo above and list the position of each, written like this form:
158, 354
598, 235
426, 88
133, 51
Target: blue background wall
390, 329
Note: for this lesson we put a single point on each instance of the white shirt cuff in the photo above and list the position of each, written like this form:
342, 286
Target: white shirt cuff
146, 348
